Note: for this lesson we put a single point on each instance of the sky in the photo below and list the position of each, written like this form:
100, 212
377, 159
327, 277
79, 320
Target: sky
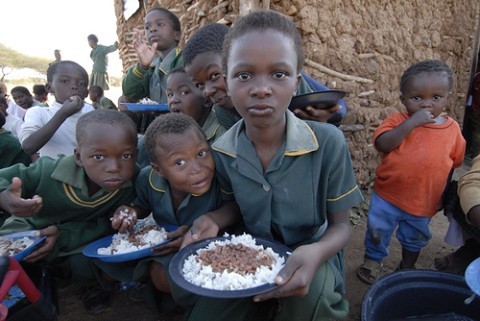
38, 27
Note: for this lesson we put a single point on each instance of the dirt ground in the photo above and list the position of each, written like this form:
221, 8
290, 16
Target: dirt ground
71, 308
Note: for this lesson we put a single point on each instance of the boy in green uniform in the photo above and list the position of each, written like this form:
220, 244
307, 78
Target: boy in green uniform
177, 188
292, 179
99, 56
71, 199
155, 59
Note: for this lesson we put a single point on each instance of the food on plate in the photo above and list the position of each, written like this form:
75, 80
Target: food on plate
11, 247
141, 238
147, 101
235, 263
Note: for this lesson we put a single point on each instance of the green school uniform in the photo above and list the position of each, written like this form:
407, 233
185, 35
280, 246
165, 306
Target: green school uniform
61, 184
310, 175
11, 150
80, 218
212, 128
153, 192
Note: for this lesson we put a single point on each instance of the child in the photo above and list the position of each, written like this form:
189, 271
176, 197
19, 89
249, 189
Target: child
202, 56
184, 97
13, 109
177, 188
292, 179
23, 98
40, 94
156, 58
420, 148
51, 131
12, 123
72, 198
99, 76
10, 148
99, 101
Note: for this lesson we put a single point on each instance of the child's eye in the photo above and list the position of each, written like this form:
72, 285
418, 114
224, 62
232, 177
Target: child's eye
214, 76
202, 153
416, 98
147, 27
97, 157
199, 85
279, 75
184, 92
243, 76
437, 98
180, 162
127, 156
169, 95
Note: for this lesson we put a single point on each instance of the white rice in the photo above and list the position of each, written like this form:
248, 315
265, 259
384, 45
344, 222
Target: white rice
121, 245
203, 276
12, 247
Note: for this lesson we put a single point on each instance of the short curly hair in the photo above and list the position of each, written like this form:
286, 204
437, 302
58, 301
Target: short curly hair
261, 20
428, 66
172, 123
209, 38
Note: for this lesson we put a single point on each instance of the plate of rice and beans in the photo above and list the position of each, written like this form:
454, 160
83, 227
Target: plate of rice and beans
229, 267
20, 244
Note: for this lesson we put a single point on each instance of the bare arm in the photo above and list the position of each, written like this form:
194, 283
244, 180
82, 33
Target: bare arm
474, 216
390, 140
299, 270
37, 140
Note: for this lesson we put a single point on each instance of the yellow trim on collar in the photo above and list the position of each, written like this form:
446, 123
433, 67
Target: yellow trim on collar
304, 151
152, 172
74, 198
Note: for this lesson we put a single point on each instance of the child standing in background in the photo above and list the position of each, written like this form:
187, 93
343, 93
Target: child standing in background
292, 179
99, 101
99, 56
420, 148
157, 53
50, 131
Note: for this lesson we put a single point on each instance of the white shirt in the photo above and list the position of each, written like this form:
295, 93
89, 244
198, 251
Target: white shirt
14, 109
63, 142
13, 124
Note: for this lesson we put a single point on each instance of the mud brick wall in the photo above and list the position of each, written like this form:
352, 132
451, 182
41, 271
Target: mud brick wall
358, 46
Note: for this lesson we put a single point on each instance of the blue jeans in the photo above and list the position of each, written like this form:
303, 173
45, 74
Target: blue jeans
412, 233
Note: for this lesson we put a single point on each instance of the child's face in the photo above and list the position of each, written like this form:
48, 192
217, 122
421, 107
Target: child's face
426, 90
183, 97
185, 161
159, 29
207, 75
262, 76
22, 100
108, 155
68, 81
93, 95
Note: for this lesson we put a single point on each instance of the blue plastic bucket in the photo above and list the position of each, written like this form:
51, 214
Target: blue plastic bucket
413, 293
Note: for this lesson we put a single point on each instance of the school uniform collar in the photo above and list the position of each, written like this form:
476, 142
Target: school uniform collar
160, 184
67, 171
164, 65
300, 138
211, 125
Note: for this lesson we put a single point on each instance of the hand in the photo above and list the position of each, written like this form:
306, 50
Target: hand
145, 52
11, 200
176, 238
295, 277
124, 218
202, 228
317, 114
72, 105
421, 117
51, 233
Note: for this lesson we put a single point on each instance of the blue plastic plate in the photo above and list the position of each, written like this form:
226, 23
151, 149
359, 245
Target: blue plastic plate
472, 276
176, 266
147, 107
37, 241
91, 249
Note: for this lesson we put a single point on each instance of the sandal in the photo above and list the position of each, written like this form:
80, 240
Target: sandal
369, 271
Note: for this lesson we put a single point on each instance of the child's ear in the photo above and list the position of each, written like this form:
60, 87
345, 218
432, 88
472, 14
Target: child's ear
78, 159
49, 88
299, 78
157, 169
402, 99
